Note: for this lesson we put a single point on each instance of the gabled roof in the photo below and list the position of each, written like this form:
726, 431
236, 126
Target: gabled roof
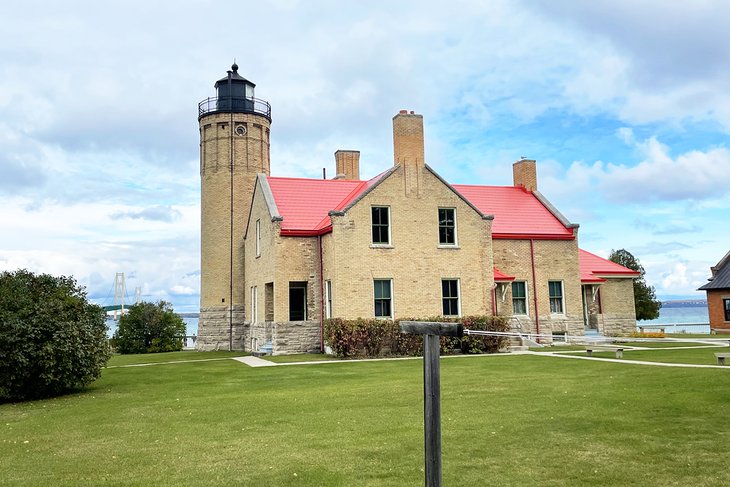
594, 269
517, 213
721, 275
304, 204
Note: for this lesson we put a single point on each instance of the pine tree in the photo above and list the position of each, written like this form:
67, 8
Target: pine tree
647, 305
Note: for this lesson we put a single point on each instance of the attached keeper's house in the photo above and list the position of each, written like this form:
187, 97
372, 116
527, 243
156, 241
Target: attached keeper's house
405, 243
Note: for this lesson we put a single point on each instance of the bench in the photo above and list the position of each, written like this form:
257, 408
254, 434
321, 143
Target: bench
592, 348
721, 358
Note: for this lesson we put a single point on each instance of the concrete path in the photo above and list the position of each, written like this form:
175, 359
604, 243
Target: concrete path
631, 362
252, 361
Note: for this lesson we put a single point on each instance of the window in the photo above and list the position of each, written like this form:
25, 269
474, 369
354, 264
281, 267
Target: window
328, 299
254, 304
519, 298
381, 225
297, 301
269, 301
447, 226
450, 297
258, 238
556, 296
726, 304
383, 294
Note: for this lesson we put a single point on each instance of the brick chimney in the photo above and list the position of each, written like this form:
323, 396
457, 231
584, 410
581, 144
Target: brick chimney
408, 139
347, 164
524, 174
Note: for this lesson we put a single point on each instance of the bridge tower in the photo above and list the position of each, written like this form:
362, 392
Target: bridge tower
120, 290
234, 148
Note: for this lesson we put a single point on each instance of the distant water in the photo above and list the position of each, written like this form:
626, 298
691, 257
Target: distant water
191, 324
681, 315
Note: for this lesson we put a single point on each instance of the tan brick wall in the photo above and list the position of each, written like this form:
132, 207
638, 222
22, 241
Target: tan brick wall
716, 310
220, 198
282, 260
555, 260
617, 305
414, 260
260, 269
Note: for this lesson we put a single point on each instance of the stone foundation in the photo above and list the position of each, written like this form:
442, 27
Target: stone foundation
215, 331
285, 337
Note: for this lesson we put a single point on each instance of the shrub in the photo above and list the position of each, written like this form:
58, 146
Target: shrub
374, 338
52, 340
648, 334
148, 328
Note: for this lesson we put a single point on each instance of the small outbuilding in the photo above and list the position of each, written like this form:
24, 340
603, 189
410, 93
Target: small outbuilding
718, 296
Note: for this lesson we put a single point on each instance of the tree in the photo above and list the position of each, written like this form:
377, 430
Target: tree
148, 328
52, 340
645, 301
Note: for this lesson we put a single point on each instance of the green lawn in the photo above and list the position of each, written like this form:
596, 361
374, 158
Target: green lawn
507, 420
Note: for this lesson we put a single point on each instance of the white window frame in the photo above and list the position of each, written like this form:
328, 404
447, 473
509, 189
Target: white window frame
458, 296
258, 238
389, 243
328, 299
392, 300
456, 231
562, 298
527, 301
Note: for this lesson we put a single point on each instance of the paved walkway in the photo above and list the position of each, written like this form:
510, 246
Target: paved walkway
259, 362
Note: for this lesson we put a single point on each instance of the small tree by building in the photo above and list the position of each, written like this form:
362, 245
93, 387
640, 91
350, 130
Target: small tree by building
148, 328
645, 301
52, 340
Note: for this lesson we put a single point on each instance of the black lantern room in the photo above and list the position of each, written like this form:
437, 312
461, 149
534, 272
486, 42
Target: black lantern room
234, 93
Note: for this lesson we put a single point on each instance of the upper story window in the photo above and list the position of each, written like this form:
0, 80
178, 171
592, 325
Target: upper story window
450, 297
258, 238
381, 225
383, 293
555, 289
447, 226
519, 298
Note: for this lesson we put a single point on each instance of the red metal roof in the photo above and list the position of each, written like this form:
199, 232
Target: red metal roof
500, 276
593, 268
517, 213
305, 204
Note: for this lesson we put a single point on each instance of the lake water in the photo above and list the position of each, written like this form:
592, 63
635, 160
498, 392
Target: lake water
670, 315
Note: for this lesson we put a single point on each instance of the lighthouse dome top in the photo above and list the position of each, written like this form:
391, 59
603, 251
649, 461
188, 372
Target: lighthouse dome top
234, 94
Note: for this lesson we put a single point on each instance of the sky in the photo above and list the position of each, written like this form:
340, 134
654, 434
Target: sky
624, 105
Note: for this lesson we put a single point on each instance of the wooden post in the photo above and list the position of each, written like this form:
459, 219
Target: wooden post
431, 332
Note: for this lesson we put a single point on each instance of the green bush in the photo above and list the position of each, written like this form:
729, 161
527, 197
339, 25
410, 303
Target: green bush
51, 339
375, 338
148, 328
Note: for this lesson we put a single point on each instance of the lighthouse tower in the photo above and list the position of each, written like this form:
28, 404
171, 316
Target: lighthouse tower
234, 148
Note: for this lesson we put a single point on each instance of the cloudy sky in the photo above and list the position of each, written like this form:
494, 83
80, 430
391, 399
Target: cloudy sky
624, 104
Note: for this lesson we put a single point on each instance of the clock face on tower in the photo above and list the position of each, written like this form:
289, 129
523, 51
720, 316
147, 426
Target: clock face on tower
240, 130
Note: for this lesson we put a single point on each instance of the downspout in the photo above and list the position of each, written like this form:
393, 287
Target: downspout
230, 275
321, 295
534, 288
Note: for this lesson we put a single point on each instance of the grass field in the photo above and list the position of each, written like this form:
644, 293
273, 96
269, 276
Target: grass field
507, 420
